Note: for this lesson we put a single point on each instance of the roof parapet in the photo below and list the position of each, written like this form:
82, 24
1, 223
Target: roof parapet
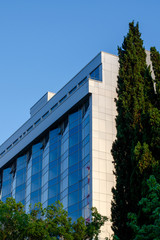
40, 103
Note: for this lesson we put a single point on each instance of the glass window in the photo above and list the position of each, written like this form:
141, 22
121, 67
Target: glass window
64, 174
52, 192
30, 128
5, 197
53, 172
73, 168
21, 166
22, 171
54, 133
73, 198
36, 185
62, 99
73, 208
86, 160
36, 167
35, 194
9, 147
86, 149
73, 117
73, 130
52, 200
64, 184
73, 178
54, 145
36, 147
52, 182
45, 115
2, 152
73, 188
20, 179
85, 141
53, 164
65, 202
73, 158
6, 190
64, 147
64, 193
86, 121
86, 130
54, 106
73, 149
95, 74
53, 155
20, 188
35, 200
73, 140
37, 122
6, 174
75, 215
35, 176
20, 196
73, 90
21, 161
64, 165
73, 124
83, 81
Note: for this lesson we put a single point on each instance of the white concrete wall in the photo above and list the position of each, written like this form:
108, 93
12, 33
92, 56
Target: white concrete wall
103, 135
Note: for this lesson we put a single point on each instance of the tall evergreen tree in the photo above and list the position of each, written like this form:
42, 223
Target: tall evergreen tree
154, 113
155, 58
131, 151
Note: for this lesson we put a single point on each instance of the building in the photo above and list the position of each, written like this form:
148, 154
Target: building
63, 151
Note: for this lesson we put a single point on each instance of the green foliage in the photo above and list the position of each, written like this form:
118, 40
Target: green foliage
93, 228
144, 157
79, 229
13, 220
50, 223
150, 206
136, 149
155, 58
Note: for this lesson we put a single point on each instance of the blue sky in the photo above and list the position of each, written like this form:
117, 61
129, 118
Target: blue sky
43, 44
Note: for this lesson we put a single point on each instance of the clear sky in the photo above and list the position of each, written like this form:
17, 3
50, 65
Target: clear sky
44, 43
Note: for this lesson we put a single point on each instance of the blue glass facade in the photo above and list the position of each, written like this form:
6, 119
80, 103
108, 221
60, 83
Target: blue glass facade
56, 167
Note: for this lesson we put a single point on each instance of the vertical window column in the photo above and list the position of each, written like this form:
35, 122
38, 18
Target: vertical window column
6, 183
28, 183
64, 165
21, 179
45, 174
36, 176
54, 165
86, 180
75, 172
13, 190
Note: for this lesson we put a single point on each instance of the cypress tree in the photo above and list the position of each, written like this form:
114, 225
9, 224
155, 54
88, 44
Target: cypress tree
146, 222
154, 113
155, 58
133, 158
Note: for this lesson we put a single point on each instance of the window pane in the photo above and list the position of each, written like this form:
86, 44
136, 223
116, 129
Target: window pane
36, 167
73, 158
36, 184
73, 178
73, 117
73, 140
53, 172
73, 198
52, 192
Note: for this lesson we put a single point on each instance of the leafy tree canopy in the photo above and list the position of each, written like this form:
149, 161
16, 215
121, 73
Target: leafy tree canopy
50, 223
150, 206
